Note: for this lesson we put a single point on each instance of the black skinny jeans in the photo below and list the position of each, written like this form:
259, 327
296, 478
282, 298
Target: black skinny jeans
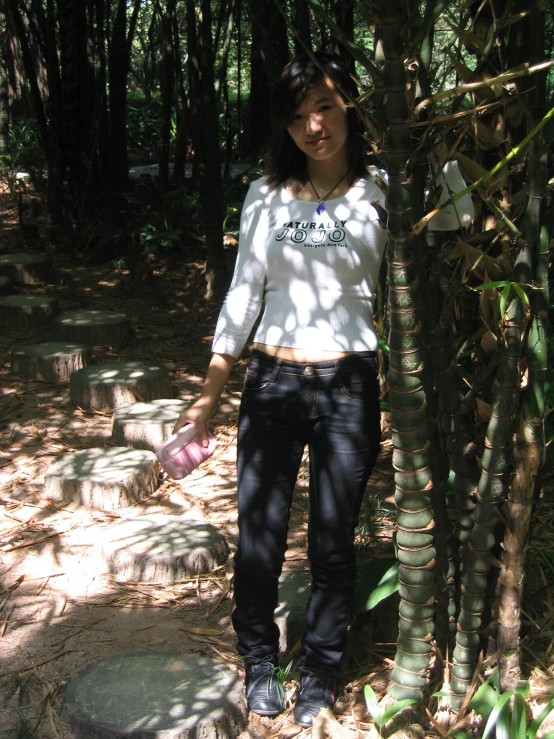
333, 407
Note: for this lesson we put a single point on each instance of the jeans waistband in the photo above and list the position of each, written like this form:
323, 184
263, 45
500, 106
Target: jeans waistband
271, 362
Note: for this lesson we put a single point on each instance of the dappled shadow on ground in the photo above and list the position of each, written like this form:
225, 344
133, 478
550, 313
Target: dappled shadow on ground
60, 609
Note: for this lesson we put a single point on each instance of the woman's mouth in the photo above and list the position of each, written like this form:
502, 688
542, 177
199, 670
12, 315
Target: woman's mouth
316, 142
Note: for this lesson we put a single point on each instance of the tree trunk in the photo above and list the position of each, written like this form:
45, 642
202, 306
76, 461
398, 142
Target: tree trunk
30, 74
117, 71
205, 134
411, 462
302, 23
168, 87
47, 24
4, 103
257, 124
531, 268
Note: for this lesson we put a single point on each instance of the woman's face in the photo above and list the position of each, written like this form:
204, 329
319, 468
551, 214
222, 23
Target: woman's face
320, 126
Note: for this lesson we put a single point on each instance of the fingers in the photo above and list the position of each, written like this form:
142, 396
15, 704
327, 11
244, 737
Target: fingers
198, 420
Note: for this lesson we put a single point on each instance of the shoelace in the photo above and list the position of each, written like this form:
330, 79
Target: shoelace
265, 669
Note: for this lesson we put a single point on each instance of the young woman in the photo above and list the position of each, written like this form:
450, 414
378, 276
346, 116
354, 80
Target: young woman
310, 249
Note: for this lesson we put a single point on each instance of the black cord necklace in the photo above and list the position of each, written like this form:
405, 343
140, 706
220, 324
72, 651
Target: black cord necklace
321, 205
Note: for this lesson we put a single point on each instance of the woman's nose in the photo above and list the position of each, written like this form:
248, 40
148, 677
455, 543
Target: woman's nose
313, 123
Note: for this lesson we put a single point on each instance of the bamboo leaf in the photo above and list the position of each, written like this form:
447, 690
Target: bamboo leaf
373, 704
484, 700
536, 725
391, 712
519, 717
503, 727
484, 410
521, 293
476, 261
522, 70
504, 299
495, 713
497, 167
386, 586
490, 285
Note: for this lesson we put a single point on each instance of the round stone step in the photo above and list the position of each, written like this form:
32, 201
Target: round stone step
27, 269
161, 548
156, 695
103, 479
94, 327
49, 360
146, 425
27, 311
6, 287
290, 614
111, 385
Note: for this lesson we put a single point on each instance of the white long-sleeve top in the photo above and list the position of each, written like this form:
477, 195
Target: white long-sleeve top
317, 273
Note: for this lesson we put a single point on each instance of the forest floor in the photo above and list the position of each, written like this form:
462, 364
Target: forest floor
59, 611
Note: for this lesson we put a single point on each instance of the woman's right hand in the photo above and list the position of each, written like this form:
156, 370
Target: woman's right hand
199, 414
201, 411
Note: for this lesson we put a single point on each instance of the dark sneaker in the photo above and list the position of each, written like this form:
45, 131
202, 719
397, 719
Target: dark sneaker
316, 692
264, 691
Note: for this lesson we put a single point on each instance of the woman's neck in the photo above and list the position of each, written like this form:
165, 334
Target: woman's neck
327, 172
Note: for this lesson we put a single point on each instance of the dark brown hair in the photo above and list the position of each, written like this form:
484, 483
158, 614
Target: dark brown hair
298, 79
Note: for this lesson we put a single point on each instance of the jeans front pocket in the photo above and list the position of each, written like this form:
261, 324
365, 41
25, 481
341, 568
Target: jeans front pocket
258, 377
358, 378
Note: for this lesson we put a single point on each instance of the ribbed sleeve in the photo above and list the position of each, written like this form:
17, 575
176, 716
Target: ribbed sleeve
243, 301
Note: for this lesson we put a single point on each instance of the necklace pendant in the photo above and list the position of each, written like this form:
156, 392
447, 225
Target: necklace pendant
320, 208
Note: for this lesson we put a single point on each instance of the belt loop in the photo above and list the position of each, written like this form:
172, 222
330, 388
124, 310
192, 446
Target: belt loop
276, 369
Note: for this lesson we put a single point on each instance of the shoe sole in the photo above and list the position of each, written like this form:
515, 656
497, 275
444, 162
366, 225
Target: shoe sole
269, 714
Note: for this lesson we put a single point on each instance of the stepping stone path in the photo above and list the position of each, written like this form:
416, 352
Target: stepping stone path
116, 384
104, 479
290, 614
156, 694
49, 360
146, 425
5, 286
26, 311
143, 694
161, 548
94, 327
27, 269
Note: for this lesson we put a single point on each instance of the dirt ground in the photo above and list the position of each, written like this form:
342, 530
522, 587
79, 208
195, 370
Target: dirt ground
59, 607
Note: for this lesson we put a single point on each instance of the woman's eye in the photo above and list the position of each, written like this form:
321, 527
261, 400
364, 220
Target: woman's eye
323, 108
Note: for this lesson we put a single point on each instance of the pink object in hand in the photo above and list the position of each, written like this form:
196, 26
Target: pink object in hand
183, 452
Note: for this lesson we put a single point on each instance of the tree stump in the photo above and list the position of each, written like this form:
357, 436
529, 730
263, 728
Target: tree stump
19, 312
161, 548
49, 360
290, 614
115, 384
146, 425
155, 695
27, 269
6, 287
93, 327
103, 479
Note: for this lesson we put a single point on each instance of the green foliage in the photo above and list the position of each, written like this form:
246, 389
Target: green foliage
284, 672
507, 288
25, 152
382, 717
154, 237
377, 580
144, 115
504, 714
